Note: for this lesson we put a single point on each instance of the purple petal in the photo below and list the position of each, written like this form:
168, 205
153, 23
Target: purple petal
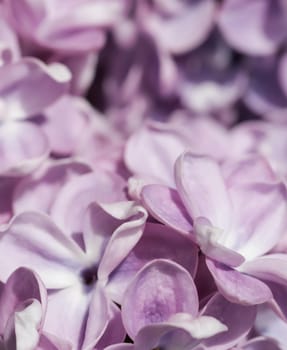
261, 343
125, 237
157, 242
50, 342
19, 87
161, 145
264, 95
65, 125
39, 190
207, 237
68, 325
21, 286
97, 319
79, 27
258, 210
25, 333
282, 73
201, 327
202, 189
182, 331
7, 188
98, 226
24, 15
26, 156
161, 289
272, 267
10, 50
122, 346
193, 17
115, 331
279, 297
75, 196
35, 242
238, 287
165, 205
251, 169
264, 25
230, 315
269, 325
204, 281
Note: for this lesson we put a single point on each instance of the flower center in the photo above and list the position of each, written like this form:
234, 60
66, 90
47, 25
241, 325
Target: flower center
89, 275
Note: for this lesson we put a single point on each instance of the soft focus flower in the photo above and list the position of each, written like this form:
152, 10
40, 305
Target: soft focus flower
143, 164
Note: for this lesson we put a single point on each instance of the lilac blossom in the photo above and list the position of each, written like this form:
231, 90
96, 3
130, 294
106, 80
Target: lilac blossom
157, 242
163, 20
168, 312
75, 273
18, 82
264, 26
64, 191
71, 34
143, 201
228, 231
74, 28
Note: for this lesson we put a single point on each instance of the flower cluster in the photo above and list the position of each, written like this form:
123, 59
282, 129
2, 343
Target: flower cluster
143, 174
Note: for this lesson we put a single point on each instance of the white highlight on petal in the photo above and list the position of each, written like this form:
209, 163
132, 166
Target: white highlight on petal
206, 233
59, 72
27, 323
199, 328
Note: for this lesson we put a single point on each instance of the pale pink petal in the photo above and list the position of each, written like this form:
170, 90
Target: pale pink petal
37, 243
23, 285
67, 312
166, 206
161, 288
23, 147
19, 87
260, 214
202, 189
39, 190
238, 287
157, 242
264, 25
193, 18
230, 315
125, 237
75, 196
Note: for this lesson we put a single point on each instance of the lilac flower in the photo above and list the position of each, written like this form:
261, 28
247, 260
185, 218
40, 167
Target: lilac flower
79, 310
21, 98
75, 28
227, 216
254, 27
164, 20
64, 189
161, 144
166, 314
